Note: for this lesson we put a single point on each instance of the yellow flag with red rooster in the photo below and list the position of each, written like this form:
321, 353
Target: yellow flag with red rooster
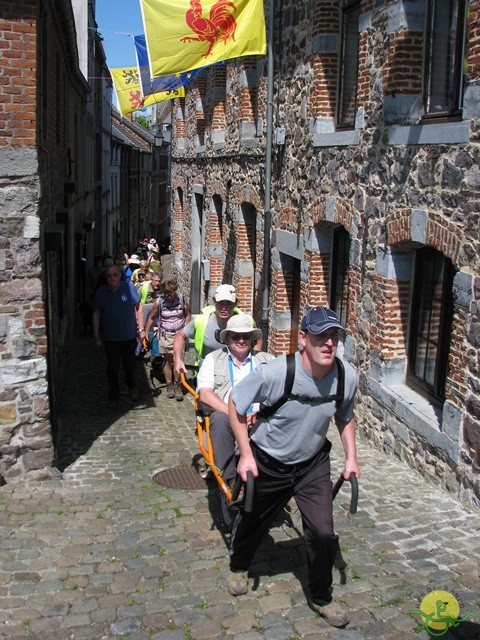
129, 91
185, 35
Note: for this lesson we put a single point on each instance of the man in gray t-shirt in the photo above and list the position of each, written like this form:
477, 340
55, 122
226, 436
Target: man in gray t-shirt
288, 453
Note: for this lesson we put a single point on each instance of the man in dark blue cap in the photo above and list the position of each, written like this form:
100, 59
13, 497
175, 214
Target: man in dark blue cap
288, 452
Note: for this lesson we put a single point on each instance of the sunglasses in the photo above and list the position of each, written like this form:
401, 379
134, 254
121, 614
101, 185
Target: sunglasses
333, 335
240, 336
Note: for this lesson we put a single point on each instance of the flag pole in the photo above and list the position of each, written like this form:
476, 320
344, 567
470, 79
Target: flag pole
268, 179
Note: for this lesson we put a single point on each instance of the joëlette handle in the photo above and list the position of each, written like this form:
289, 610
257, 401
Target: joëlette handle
354, 484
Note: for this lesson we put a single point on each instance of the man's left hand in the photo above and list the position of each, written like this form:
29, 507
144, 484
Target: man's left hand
251, 419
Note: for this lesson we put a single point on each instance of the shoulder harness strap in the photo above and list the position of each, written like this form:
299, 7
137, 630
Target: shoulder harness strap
340, 384
266, 412
339, 396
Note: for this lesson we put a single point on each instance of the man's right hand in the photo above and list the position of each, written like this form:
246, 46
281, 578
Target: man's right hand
179, 366
247, 463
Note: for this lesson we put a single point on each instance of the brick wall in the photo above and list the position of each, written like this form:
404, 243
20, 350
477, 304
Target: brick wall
403, 71
388, 332
473, 40
380, 193
248, 94
18, 50
217, 103
24, 403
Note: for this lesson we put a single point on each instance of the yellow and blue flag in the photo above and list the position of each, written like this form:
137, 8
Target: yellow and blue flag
126, 81
184, 35
161, 83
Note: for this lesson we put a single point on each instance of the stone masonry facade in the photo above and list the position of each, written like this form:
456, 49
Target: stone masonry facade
25, 434
41, 125
393, 184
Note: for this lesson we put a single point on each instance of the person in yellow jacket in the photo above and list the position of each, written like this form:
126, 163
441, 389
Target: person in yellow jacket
150, 289
204, 327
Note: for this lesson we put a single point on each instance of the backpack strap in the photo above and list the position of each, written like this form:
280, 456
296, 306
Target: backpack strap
266, 412
182, 300
340, 396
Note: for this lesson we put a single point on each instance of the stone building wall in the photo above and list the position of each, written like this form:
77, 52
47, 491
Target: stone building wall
394, 183
41, 108
25, 433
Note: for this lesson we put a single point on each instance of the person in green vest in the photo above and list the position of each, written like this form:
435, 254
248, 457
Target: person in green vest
150, 289
204, 327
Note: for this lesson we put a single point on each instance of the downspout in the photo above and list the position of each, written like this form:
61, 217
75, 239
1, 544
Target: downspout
41, 132
140, 198
167, 227
268, 180
126, 236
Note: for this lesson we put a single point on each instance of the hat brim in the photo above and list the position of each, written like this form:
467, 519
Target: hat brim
226, 299
256, 334
323, 328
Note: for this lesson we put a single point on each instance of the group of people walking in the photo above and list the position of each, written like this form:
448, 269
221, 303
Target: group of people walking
269, 415
132, 309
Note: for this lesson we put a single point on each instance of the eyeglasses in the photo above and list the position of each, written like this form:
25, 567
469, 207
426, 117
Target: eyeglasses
240, 336
113, 275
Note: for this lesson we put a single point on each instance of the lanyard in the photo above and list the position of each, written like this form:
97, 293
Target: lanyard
232, 377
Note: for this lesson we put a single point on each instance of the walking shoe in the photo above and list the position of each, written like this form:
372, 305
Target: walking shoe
178, 392
170, 391
237, 583
134, 394
332, 612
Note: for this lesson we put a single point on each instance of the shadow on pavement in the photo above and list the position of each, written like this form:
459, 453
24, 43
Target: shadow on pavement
84, 414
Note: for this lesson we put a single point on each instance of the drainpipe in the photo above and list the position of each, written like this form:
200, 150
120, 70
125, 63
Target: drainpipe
268, 180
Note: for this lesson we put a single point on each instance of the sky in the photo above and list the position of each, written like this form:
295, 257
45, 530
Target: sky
117, 21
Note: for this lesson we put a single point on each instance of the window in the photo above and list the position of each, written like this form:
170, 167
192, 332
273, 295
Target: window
339, 278
430, 324
348, 65
444, 57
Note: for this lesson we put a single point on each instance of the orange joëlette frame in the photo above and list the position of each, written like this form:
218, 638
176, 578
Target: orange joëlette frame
203, 433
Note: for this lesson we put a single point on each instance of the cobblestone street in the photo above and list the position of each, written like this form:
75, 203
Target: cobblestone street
102, 551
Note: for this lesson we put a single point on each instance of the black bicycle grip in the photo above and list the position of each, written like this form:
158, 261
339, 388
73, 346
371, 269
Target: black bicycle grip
249, 490
248, 495
354, 484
